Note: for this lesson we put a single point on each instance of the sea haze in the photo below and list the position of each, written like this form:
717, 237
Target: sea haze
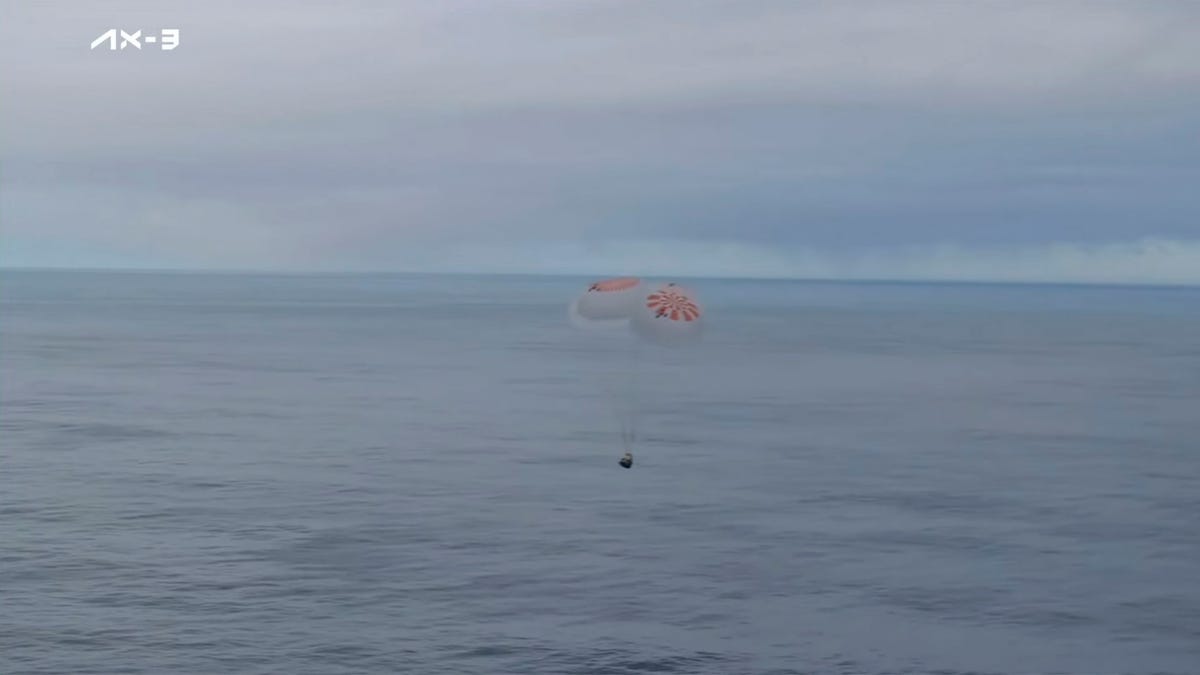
205, 473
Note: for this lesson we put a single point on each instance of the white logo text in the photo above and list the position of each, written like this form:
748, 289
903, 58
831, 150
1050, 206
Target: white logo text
167, 40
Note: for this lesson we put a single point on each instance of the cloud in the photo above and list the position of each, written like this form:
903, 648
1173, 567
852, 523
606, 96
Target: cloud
1148, 261
285, 135
1142, 262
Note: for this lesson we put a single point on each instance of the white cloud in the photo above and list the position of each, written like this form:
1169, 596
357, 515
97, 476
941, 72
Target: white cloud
1147, 261
376, 135
250, 68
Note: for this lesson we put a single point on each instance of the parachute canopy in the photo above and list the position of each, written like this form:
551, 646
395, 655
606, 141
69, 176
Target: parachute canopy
609, 299
669, 314
666, 314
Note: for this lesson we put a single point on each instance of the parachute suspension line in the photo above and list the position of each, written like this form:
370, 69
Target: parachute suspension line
628, 401
631, 398
620, 384
619, 390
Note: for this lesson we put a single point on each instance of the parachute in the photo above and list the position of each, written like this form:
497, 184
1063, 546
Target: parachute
668, 315
664, 314
621, 317
610, 299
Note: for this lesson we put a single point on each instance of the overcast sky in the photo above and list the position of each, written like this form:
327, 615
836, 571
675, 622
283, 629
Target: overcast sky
979, 140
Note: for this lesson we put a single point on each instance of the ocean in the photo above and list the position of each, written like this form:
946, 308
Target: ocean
323, 474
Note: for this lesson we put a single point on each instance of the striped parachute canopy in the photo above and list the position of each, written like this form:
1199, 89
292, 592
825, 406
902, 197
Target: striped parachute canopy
668, 314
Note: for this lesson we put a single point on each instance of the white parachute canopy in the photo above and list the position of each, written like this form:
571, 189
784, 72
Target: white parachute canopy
611, 299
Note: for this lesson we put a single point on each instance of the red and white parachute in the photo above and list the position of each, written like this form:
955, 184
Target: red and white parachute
622, 314
666, 314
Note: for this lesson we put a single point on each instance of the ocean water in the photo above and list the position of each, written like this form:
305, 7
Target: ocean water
205, 473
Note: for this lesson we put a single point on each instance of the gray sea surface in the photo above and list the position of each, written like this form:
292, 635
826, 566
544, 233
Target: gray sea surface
323, 474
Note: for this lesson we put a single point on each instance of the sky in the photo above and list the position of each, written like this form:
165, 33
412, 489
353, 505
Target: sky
989, 140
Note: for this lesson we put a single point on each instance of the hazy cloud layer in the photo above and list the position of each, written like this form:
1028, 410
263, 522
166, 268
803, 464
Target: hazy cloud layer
992, 140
